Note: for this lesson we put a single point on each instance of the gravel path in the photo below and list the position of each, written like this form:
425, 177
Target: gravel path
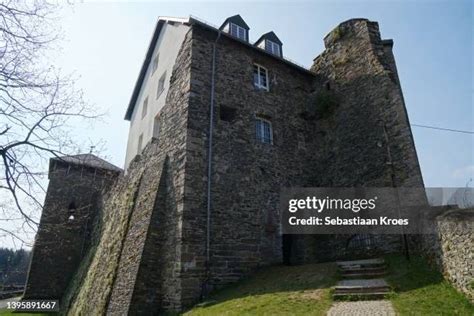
362, 308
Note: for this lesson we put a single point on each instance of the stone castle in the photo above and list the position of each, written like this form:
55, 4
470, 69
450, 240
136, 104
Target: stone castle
218, 126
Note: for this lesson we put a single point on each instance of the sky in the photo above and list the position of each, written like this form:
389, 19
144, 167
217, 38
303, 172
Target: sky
105, 43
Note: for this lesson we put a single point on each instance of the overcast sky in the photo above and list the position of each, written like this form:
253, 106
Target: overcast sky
105, 43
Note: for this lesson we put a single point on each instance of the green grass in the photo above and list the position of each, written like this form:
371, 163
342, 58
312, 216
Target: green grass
421, 290
279, 290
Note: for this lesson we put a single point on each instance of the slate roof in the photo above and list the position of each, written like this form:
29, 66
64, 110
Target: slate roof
236, 19
269, 36
88, 160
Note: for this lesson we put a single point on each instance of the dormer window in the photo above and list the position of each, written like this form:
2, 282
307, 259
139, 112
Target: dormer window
238, 31
270, 43
236, 27
273, 48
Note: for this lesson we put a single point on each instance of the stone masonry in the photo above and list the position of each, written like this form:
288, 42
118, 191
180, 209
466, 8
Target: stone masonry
72, 203
341, 123
451, 249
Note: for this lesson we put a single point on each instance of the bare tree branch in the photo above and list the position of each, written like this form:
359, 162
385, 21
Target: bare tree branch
36, 104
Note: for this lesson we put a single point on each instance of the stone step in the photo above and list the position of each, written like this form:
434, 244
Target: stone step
361, 283
361, 296
362, 290
362, 270
364, 275
358, 268
367, 263
361, 273
362, 280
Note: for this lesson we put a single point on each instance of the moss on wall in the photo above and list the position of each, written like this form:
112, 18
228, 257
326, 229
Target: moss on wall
89, 292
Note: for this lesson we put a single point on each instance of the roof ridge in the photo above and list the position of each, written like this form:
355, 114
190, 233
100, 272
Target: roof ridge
88, 159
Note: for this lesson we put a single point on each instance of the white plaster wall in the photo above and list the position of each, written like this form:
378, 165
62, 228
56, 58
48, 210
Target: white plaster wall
168, 45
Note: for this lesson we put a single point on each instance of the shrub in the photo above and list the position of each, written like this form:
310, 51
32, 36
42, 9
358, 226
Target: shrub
338, 33
321, 106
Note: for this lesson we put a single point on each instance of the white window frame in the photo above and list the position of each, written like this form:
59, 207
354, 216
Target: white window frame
273, 48
258, 84
260, 130
161, 85
236, 30
154, 63
145, 107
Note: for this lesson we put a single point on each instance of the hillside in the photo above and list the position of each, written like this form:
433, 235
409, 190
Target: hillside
279, 290
306, 290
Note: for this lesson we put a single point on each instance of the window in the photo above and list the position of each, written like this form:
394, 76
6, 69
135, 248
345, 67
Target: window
273, 48
260, 77
71, 211
156, 126
155, 63
227, 114
145, 107
140, 143
238, 31
161, 85
263, 131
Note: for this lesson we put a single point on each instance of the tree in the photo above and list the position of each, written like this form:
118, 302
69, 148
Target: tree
13, 266
37, 103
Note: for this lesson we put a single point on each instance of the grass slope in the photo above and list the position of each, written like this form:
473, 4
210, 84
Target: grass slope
421, 290
279, 290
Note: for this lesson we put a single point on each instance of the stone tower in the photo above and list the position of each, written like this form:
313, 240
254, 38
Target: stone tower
76, 186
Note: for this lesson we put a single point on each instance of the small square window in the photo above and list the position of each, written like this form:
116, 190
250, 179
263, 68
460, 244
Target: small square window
161, 85
155, 63
227, 114
263, 131
260, 77
145, 107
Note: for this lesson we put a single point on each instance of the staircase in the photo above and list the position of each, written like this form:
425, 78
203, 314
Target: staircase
362, 280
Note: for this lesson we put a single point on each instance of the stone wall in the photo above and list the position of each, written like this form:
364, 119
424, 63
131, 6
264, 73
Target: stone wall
135, 265
368, 138
246, 175
153, 243
69, 214
365, 141
365, 138
451, 248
